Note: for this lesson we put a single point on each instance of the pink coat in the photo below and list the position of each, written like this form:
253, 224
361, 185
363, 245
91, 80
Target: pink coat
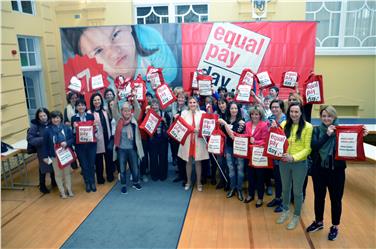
259, 134
101, 147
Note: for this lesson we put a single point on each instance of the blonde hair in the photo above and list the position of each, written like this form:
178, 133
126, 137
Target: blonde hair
329, 109
296, 96
127, 105
258, 109
178, 90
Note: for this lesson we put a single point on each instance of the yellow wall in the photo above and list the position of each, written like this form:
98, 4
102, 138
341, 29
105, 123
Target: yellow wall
349, 80
15, 121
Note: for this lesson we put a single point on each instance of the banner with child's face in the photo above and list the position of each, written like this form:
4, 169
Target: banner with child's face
221, 50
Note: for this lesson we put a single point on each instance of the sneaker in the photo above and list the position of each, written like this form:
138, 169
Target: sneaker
278, 209
249, 199
137, 186
70, 193
269, 190
187, 187
119, 177
315, 226
333, 233
124, 190
283, 217
230, 193
293, 223
199, 188
63, 196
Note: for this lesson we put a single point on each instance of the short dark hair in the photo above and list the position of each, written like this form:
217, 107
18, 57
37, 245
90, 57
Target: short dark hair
55, 114
70, 95
42, 109
280, 103
276, 89
80, 101
108, 90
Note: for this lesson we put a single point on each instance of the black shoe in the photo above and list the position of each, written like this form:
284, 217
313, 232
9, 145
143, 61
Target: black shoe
124, 190
88, 188
220, 185
93, 187
100, 181
278, 209
137, 186
227, 187
53, 183
315, 226
230, 193
249, 199
43, 189
240, 195
177, 179
110, 178
203, 181
333, 233
274, 202
213, 181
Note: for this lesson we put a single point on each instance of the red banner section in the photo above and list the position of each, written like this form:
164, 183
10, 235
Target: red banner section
223, 50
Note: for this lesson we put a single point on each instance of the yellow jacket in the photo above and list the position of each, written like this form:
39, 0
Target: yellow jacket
301, 148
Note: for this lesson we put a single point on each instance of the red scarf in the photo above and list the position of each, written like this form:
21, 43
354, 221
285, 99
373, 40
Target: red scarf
192, 146
121, 123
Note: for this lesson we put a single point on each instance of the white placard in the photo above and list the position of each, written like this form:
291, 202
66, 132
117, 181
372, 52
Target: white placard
264, 79
244, 93
275, 145
208, 126
178, 131
248, 79
258, 160
65, 156
75, 84
85, 134
152, 122
214, 144
347, 144
313, 92
194, 80
97, 82
204, 86
290, 79
164, 94
155, 80
241, 146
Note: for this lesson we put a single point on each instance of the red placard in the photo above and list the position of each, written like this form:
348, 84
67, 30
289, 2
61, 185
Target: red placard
139, 88
264, 80
276, 143
85, 132
349, 141
257, 158
204, 85
208, 123
179, 130
290, 79
165, 96
155, 77
216, 142
313, 90
243, 94
151, 122
64, 156
240, 145
246, 77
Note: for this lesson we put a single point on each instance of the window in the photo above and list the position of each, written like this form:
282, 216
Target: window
23, 6
29, 53
345, 27
171, 12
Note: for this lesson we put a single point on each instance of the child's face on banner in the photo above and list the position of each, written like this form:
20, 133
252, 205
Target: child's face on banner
114, 47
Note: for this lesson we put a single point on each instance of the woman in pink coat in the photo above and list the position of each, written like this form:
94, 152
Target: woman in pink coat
258, 132
194, 148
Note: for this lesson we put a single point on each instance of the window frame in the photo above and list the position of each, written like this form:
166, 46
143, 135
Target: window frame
171, 4
340, 50
20, 10
38, 63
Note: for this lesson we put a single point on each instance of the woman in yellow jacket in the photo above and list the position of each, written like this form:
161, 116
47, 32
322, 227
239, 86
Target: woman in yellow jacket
293, 166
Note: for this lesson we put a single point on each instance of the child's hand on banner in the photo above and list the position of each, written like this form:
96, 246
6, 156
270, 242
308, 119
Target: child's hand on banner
63, 144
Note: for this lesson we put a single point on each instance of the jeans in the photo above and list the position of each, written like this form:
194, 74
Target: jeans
293, 172
128, 156
236, 169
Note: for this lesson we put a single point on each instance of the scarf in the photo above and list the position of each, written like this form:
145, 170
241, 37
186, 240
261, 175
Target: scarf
128, 128
70, 112
327, 149
58, 134
104, 126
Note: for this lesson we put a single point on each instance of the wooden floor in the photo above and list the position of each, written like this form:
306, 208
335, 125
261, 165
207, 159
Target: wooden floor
32, 220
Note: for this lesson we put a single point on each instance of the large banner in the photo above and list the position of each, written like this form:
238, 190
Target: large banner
222, 50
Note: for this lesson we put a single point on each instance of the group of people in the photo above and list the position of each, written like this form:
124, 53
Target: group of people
122, 145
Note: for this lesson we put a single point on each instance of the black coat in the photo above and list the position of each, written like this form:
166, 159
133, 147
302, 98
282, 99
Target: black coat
48, 146
34, 137
316, 144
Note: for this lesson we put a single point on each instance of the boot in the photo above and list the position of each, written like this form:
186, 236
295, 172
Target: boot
43, 189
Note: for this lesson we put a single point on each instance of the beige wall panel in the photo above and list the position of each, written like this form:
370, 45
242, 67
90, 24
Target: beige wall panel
8, 36
287, 10
12, 98
11, 83
49, 38
224, 11
14, 111
57, 88
5, 5
6, 52
54, 77
119, 13
11, 67
50, 51
51, 65
14, 127
19, 135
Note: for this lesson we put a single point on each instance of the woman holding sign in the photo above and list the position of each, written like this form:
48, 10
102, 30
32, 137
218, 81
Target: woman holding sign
194, 148
327, 173
293, 166
59, 137
233, 123
258, 132
86, 144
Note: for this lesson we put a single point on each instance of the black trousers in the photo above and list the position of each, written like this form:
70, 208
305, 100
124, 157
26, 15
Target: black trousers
109, 166
277, 180
158, 149
334, 181
256, 179
145, 160
42, 178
